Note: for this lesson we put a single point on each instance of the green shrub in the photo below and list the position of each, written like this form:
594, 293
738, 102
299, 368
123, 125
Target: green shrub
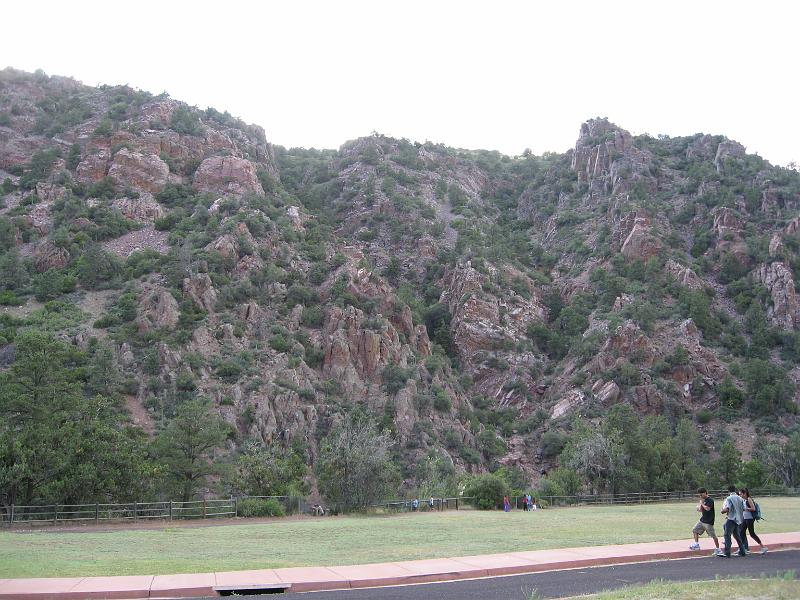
313, 316
441, 401
704, 415
8, 298
491, 445
280, 343
487, 491
260, 507
553, 443
395, 378
185, 121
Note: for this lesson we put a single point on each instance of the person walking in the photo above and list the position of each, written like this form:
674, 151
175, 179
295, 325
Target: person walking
749, 516
733, 507
506, 504
706, 523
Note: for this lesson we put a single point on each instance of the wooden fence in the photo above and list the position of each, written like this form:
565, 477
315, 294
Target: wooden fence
133, 511
229, 507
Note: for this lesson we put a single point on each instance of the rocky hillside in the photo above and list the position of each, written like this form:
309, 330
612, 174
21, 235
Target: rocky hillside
471, 302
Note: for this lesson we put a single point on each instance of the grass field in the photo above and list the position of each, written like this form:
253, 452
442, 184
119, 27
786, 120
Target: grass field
761, 589
352, 540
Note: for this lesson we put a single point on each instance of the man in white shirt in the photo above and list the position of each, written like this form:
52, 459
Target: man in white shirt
734, 508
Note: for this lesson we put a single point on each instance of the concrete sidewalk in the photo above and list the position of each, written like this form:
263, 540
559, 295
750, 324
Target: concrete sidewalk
304, 579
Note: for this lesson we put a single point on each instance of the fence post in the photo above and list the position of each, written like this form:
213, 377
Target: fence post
55, 514
135, 511
456, 503
299, 505
170, 510
204, 508
11, 520
235, 506
96, 513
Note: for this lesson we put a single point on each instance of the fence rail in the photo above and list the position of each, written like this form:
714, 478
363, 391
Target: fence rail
229, 507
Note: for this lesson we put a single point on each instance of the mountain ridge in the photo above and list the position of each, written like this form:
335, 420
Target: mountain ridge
473, 303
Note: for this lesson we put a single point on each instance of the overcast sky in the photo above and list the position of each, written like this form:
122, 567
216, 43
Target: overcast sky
496, 75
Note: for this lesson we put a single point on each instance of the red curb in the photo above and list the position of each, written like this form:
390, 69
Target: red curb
306, 579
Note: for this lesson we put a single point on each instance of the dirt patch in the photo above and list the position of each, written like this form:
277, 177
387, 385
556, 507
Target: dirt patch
744, 437
141, 239
141, 418
22, 312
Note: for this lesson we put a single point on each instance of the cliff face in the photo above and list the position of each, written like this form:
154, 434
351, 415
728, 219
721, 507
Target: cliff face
451, 293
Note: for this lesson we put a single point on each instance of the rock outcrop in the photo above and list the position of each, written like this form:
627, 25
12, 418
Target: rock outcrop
143, 209
634, 237
139, 171
49, 256
227, 175
156, 309
356, 356
725, 151
683, 275
779, 280
201, 291
94, 166
476, 315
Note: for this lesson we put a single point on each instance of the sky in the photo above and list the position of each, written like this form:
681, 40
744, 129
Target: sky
501, 75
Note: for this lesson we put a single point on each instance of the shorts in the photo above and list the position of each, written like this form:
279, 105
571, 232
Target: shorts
707, 527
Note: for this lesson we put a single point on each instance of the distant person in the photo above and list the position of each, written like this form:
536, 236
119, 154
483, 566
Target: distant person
430, 503
414, 504
733, 507
750, 514
506, 504
525, 502
706, 523
532, 502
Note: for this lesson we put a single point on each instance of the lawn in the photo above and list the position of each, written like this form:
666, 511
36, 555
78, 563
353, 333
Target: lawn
762, 589
352, 540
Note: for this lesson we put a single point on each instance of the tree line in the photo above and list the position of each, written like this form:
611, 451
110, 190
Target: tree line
66, 438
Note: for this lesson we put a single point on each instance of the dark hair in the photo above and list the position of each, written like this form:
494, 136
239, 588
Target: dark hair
731, 488
745, 491
702, 491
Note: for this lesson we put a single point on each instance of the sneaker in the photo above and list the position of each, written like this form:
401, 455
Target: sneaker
763, 550
718, 552
747, 551
694, 546
722, 555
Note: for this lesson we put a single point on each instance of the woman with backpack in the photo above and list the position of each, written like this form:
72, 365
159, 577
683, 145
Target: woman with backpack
751, 512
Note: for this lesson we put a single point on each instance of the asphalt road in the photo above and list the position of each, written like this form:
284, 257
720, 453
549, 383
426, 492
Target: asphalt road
560, 584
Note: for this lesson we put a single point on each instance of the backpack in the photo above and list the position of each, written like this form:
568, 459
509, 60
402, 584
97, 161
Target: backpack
757, 512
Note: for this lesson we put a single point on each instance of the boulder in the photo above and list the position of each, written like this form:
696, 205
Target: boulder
201, 290
568, 403
640, 244
49, 256
94, 166
727, 222
683, 275
156, 309
144, 209
50, 192
607, 392
139, 171
227, 175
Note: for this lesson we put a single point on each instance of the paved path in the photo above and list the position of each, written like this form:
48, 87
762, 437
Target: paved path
304, 579
574, 582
